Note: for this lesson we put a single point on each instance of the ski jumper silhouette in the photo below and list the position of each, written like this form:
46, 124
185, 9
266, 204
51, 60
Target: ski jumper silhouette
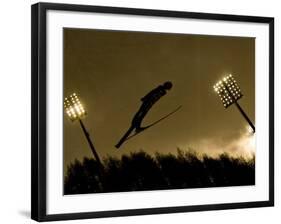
147, 102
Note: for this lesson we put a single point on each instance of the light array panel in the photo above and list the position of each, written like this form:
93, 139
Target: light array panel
228, 90
73, 107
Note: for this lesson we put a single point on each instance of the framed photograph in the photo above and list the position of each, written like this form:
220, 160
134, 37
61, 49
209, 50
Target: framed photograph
139, 111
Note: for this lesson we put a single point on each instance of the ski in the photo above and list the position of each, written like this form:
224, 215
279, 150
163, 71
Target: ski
153, 123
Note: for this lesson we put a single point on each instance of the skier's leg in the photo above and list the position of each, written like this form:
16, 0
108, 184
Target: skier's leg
136, 123
137, 120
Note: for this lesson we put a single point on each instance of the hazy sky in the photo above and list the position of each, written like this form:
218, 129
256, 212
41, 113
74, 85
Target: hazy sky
112, 70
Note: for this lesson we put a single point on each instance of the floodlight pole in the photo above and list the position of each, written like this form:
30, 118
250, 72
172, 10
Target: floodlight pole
245, 116
240, 108
91, 143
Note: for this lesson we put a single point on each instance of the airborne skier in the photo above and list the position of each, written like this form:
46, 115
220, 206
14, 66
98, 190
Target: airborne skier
147, 102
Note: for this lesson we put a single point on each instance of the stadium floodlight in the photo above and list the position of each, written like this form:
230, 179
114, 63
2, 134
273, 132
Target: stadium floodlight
229, 93
228, 90
75, 111
73, 107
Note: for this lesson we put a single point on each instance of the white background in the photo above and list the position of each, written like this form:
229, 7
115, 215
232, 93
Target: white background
15, 110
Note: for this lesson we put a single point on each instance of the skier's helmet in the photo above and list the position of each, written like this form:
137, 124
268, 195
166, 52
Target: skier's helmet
168, 85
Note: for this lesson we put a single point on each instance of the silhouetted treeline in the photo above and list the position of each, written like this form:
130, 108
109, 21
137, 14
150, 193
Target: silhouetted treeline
141, 171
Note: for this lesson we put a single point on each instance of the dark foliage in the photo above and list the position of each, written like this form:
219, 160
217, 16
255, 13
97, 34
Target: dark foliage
141, 171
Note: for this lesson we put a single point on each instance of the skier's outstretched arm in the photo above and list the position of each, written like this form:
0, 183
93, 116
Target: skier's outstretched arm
150, 94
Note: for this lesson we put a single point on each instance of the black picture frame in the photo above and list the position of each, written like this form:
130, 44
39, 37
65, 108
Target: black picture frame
38, 109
